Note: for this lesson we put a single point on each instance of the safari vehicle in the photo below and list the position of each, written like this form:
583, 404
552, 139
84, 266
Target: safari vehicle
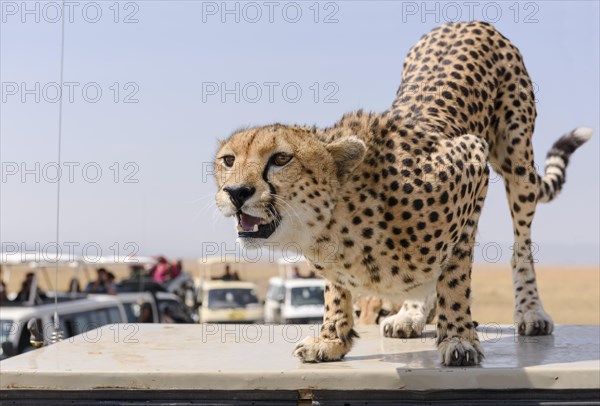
144, 299
295, 301
222, 296
76, 316
292, 298
154, 307
182, 286
42, 265
229, 302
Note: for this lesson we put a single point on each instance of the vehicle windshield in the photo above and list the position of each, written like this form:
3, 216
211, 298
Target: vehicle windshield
231, 298
6, 327
307, 296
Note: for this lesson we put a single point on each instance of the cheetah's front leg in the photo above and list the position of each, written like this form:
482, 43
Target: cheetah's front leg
457, 340
336, 335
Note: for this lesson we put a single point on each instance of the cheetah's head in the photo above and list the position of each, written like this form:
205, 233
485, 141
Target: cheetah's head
280, 183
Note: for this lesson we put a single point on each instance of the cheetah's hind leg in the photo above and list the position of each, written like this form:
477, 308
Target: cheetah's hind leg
410, 321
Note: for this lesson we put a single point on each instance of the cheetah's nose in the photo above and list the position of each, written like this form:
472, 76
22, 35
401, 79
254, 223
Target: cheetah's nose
239, 194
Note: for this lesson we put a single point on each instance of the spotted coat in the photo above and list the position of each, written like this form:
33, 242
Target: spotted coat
387, 204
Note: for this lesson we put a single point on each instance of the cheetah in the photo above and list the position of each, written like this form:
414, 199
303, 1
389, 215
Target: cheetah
387, 204
372, 309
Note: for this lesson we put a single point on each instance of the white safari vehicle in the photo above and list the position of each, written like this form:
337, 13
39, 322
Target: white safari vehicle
222, 296
75, 316
229, 302
296, 301
293, 297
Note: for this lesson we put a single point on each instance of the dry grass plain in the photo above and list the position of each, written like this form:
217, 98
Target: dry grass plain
571, 294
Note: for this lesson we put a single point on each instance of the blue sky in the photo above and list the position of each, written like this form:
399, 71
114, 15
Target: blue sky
173, 62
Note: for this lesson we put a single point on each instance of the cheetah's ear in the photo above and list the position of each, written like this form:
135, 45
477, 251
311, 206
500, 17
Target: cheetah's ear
347, 153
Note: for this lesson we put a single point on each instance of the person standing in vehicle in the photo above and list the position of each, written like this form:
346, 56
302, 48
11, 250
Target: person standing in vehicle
161, 272
26, 286
102, 283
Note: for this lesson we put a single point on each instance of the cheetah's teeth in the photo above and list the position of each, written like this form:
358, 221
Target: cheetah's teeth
255, 229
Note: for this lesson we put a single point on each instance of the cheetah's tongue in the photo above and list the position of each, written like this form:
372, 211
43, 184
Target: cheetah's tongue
249, 223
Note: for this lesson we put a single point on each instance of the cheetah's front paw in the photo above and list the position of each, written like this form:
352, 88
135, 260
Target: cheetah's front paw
320, 350
406, 324
535, 322
457, 351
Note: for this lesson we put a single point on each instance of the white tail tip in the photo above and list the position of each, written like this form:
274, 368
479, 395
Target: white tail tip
583, 133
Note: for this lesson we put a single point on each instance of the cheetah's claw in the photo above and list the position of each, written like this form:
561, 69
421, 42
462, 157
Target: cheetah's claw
534, 323
403, 325
460, 352
320, 350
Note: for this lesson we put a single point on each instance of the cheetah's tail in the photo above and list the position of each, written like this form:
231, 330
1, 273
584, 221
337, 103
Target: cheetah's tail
558, 159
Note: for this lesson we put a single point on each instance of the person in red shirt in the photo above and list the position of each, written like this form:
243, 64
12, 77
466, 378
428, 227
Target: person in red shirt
161, 273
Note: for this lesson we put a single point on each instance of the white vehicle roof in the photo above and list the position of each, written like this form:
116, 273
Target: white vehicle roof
119, 260
23, 313
220, 259
133, 296
207, 285
297, 282
37, 259
64, 259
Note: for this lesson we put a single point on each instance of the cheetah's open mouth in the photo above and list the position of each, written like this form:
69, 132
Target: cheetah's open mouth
254, 227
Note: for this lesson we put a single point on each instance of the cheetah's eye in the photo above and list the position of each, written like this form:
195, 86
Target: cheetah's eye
281, 159
228, 160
